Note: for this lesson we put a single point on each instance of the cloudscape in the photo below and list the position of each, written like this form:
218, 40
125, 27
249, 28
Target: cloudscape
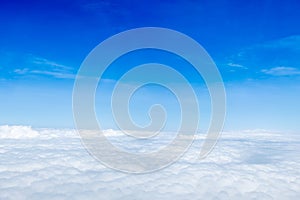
183, 99
52, 164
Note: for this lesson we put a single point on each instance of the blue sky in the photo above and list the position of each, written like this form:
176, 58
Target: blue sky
255, 44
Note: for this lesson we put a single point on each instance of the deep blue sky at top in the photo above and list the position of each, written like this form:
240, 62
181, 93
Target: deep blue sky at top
254, 43
67, 30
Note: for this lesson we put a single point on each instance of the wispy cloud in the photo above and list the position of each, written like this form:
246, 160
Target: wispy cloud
281, 71
290, 42
21, 71
43, 66
54, 74
43, 61
276, 56
236, 65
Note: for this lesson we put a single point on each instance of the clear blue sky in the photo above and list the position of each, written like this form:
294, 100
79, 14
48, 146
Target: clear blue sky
255, 44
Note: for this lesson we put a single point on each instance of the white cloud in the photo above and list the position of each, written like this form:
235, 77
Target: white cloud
52, 164
237, 65
43, 61
290, 42
17, 132
54, 74
42, 66
281, 71
21, 71
274, 53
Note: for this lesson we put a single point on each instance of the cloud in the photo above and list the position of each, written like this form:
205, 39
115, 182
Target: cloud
52, 164
290, 42
281, 71
17, 132
237, 65
268, 55
42, 66
21, 71
43, 61
15, 65
54, 74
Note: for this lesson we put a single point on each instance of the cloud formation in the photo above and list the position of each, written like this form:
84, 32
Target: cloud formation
272, 57
44, 67
282, 71
236, 65
52, 164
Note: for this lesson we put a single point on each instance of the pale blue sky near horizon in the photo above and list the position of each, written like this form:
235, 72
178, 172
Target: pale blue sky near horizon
256, 46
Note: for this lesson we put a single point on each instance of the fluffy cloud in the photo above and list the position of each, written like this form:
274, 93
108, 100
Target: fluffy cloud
52, 164
17, 132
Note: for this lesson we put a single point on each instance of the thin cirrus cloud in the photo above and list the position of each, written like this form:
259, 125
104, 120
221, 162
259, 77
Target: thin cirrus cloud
54, 74
282, 71
291, 42
44, 67
276, 55
236, 65
43, 61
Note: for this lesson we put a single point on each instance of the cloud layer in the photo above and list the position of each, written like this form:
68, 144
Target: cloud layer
52, 164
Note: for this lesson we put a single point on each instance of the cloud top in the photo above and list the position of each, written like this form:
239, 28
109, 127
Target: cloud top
17, 132
52, 164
